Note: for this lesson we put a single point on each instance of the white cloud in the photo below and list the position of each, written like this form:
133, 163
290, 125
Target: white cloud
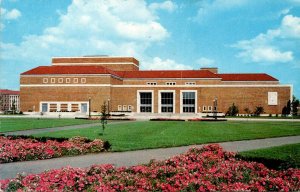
13, 14
10, 15
205, 62
167, 64
290, 27
268, 54
151, 31
207, 8
265, 47
91, 27
166, 5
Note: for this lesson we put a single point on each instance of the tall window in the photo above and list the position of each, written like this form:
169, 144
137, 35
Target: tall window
145, 102
44, 107
188, 102
167, 102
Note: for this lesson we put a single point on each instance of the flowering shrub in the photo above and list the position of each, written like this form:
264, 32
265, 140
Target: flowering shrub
21, 149
205, 169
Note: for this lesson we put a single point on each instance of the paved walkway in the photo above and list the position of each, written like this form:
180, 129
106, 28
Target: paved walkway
9, 170
53, 129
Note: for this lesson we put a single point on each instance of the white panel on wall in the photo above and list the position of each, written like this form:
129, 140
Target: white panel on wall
272, 98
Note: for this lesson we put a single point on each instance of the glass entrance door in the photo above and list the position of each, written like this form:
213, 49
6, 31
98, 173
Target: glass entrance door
83, 107
167, 102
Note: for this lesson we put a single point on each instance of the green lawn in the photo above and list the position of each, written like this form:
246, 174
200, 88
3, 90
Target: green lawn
15, 124
153, 134
285, 153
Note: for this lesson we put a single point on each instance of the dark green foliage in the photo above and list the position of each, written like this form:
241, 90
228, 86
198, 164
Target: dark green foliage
232, 110
104, 116
258, 110
288, 107
284, 111
277, 164
281, 157
41, 139
295, 105
14, 186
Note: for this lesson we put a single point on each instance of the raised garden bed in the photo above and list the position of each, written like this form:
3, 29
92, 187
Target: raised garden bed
25, 148
205, 169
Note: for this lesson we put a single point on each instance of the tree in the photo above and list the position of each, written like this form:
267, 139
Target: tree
13, 106
288, 107
104, 116
284, 111
1, 103
258, 110
232, 110
295, 105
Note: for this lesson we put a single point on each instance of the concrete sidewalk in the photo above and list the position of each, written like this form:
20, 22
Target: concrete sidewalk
53, 129
9, 170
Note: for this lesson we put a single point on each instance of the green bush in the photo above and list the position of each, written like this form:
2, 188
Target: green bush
232, 110
258, 110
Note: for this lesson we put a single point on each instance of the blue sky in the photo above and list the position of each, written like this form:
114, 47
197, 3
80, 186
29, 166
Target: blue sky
237, 36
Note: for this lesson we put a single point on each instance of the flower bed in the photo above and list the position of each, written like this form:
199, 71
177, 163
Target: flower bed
207, 119
16, 148
205, 169
166, 119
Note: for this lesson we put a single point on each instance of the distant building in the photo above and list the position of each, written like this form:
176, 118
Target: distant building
9, 100
83, 84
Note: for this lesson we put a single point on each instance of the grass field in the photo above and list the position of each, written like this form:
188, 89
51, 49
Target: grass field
286, 153
142, 135
16, 124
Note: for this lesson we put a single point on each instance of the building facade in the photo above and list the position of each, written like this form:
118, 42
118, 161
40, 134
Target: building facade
82, 84
9, 100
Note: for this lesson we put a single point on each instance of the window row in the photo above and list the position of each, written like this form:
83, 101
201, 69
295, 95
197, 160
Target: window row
166, 103
64, 107
64, 80
208, 108
171, 83
124, 108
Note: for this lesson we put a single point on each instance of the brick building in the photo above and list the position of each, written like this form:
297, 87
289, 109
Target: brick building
79, 84
8, 98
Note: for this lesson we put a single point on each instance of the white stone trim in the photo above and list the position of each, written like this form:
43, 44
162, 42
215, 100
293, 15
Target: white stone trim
251, 81
67, 75
96, 63
138, 99
65, 85
196, 99
96, 56
129, 108
143, 86
159, 99
195, 86
134, 79
119, 107
273, 98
